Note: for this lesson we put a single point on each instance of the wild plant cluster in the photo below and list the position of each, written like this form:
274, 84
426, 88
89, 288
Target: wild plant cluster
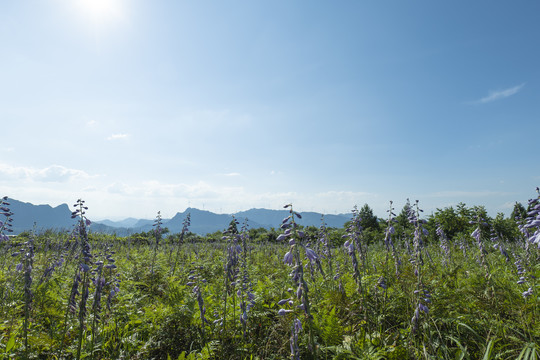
294, 292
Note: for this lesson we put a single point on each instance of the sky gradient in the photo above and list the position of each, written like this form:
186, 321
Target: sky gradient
145, 106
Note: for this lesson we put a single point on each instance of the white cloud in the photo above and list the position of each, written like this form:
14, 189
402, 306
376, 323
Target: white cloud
120, 188
200, 190
118, 136
500, 94
12, 172
232, 174
57, 173
464, 194
53, 173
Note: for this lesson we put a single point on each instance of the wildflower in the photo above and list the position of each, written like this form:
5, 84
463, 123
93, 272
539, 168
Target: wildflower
283, 312
288, 258
311, 255
283, 301
281, 237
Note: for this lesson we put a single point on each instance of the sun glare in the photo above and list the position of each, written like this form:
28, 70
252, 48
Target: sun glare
101, 11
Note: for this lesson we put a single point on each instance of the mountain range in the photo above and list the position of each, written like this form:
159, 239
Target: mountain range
27, 216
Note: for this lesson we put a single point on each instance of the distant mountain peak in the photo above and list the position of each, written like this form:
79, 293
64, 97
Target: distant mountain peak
202, 221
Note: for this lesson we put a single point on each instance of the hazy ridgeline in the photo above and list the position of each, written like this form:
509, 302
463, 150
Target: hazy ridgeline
454, 285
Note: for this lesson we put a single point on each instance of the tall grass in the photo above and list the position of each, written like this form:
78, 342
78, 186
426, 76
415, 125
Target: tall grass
306, 296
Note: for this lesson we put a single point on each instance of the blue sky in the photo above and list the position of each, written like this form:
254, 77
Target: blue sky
145, 106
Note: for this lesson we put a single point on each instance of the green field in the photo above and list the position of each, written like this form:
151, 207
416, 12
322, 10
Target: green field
396, 290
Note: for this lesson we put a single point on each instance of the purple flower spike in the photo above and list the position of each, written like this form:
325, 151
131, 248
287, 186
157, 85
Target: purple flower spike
283, 301
283, 312
281, 237
311, 255
299, 292
288, 258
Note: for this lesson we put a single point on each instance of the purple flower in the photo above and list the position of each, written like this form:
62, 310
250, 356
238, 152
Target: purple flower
297, 326
283, 301
288, 258
283, 312
527, 293
311, 255
533, 223
299, 292
281, 237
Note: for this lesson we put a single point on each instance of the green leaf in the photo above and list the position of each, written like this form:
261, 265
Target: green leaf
489, 349
10, 343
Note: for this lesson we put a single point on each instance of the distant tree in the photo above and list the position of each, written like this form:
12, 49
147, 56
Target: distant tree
233, 226
402, 219
505, 227
451, 221
480, 210
519, 212
336, 236
464, 212
270, 236
368, 220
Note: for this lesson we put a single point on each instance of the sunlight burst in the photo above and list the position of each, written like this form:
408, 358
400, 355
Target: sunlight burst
101, 11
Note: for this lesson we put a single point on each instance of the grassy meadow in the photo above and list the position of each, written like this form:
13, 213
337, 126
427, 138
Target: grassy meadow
408, 292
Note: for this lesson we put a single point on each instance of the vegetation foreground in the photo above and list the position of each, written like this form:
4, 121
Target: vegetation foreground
456, 285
